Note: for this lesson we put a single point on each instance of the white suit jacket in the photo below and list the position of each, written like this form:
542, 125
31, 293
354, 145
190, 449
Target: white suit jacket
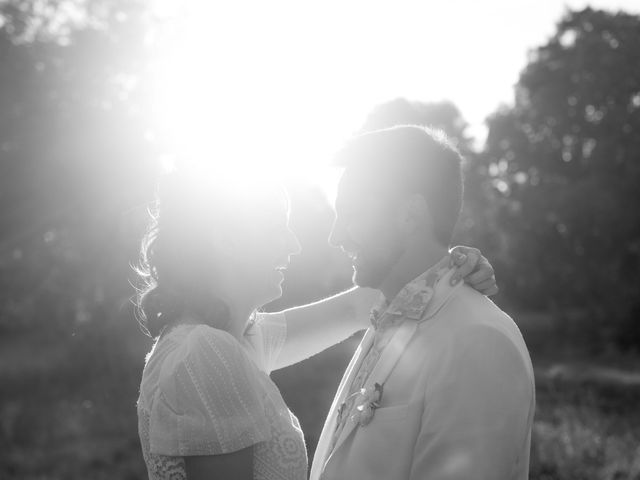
458, 399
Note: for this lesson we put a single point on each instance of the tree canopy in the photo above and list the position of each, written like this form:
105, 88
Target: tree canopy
566, 161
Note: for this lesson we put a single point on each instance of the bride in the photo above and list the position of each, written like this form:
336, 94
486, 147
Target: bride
213, 255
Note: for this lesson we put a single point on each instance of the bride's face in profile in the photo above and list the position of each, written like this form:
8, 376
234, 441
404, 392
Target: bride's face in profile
261, 244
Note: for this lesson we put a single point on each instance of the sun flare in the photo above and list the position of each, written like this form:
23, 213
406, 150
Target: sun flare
278, 86
244, 98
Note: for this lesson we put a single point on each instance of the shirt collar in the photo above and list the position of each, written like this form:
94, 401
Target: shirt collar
414, 298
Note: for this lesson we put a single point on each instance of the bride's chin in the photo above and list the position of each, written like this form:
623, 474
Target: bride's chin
274, 290
272, 297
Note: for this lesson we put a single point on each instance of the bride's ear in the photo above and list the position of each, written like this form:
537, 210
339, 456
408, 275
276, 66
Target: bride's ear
414, 214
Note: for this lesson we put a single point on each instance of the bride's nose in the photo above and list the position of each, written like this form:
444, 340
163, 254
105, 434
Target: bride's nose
293, 244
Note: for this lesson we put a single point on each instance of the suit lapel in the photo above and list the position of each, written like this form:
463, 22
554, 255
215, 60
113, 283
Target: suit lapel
415, 312
387, 361
324, 442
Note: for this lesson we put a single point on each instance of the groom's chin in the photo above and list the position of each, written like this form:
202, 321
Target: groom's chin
362, 278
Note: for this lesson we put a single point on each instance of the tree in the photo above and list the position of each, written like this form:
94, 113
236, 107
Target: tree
565, 160
444, 116
73, 155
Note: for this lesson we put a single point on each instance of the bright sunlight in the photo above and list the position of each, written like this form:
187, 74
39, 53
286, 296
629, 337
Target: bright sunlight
250, 98
245, 85
275, 87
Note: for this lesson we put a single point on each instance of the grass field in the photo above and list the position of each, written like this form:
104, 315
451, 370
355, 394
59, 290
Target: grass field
67, 407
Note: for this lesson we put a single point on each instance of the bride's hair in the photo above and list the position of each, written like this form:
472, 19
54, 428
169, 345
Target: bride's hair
176, 264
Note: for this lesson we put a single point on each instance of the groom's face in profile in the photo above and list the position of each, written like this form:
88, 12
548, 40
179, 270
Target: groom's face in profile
365, 229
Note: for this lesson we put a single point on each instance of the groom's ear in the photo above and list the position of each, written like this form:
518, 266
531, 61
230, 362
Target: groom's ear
414, 214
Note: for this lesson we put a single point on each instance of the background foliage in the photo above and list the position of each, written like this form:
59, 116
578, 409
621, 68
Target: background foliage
551, 198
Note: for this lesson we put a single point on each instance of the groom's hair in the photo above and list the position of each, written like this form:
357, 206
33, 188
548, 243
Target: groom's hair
409, 159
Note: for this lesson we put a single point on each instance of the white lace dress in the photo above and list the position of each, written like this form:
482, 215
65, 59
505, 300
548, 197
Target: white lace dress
205, 393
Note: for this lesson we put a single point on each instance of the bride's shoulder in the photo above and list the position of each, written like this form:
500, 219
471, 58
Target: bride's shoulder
192, 346
206, 346
202, 332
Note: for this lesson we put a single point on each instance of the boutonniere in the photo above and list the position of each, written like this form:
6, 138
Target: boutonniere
369, 401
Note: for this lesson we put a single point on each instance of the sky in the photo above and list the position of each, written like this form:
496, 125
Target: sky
483, 61
291, 79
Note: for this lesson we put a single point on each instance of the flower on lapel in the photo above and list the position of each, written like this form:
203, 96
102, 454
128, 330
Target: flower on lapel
369, 401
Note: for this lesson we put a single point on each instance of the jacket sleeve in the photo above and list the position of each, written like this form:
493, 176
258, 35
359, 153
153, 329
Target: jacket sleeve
478, 410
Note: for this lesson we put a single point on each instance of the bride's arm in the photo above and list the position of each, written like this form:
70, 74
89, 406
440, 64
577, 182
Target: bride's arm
317, 326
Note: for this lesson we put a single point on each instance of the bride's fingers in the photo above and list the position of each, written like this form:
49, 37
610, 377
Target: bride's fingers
484, 271
487, 287
460, 253
491, 291
467, 263
474, 269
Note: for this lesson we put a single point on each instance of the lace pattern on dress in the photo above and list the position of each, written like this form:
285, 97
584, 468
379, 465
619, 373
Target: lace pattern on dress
284, 456
158, 466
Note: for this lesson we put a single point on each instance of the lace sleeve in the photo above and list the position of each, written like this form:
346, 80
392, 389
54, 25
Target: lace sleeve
211, 402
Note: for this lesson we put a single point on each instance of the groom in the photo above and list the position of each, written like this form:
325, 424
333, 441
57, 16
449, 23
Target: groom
441, 386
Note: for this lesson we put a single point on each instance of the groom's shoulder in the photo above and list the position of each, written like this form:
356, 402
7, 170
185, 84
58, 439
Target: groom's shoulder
468, 307
469, 315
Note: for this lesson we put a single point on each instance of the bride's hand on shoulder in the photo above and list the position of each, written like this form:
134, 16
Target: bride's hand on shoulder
474, 268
